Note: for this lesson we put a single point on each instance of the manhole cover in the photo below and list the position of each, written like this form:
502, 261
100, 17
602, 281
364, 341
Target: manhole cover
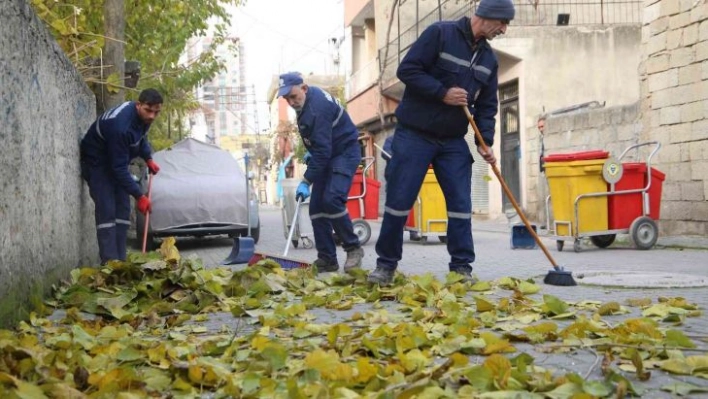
640, 279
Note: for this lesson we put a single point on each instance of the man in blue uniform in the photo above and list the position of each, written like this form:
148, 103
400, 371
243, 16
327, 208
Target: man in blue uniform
451, 65
332, 142
116, 137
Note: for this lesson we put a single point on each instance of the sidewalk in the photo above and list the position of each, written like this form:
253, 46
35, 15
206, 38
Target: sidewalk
501, 225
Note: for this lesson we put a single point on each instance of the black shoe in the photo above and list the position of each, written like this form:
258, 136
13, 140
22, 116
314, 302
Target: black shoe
381, 276
325, 266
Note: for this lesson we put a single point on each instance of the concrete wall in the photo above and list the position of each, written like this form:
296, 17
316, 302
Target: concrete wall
46, 215
674, 103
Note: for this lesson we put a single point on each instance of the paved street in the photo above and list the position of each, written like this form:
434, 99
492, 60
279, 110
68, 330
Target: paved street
496, 259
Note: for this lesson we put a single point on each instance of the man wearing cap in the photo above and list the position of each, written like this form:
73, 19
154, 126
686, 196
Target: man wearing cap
332, 141
449, 66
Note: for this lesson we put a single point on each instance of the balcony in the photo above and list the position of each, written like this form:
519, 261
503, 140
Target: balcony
362, 79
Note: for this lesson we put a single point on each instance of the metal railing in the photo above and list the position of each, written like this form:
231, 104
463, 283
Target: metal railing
363, 78
545, 13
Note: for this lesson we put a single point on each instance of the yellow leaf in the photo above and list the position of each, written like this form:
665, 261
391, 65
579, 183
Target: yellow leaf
169, 251
459, 360
500, 368
365, 370
327, 363
195, 374
609, 308
495, 344
483, 305
414, 360
528, 288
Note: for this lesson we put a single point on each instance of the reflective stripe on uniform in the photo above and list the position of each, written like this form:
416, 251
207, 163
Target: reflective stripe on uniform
328, 216
123, 221
482, 69
105, 225
458, 61
98, 130
341, 112
396, 212
459, 215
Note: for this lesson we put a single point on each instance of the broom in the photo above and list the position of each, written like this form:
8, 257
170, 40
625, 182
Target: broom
147, 215
557, 276
284, 261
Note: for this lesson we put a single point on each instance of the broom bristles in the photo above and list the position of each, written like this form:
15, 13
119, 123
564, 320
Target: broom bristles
285, 263
559, 278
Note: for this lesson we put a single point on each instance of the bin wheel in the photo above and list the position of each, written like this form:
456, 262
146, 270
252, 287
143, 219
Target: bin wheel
362, 229
423, 240
443, 239
644, 232
414, 236
559, 245
603, 241
307, 243
295, 243
576, 246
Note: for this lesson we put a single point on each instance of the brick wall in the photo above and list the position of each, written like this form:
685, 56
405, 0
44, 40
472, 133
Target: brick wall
674, 108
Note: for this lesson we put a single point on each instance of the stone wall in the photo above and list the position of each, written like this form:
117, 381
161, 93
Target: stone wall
46, 215
674, 107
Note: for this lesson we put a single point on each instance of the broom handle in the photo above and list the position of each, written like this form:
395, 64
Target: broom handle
292, 227
508, 193
147, 216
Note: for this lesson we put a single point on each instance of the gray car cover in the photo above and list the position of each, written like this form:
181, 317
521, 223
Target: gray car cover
198, 183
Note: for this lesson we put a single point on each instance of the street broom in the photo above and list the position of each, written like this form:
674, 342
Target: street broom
557, 276
284, 261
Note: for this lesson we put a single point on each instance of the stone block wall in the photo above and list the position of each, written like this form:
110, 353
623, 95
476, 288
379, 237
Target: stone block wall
46, 215
674, 108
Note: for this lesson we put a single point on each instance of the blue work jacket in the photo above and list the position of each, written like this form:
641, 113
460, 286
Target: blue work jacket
115, 138
443, 57
327, 132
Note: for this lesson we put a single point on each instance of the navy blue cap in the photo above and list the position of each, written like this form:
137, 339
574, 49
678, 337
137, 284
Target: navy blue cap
502, 10
287, 81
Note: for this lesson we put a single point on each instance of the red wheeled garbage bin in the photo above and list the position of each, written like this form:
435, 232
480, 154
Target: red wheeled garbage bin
370, 199
623, 209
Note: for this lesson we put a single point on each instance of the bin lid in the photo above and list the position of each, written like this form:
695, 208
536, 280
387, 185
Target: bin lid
641, 167
577, 156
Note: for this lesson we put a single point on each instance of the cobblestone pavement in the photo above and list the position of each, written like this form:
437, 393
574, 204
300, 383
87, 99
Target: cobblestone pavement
496, 259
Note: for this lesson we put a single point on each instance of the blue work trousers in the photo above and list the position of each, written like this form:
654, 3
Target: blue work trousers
452, 163
328, 206
112, 214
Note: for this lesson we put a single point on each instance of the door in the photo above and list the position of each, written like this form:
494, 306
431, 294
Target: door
510, 142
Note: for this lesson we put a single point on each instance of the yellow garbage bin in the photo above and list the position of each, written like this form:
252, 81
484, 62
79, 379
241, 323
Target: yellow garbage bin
433, 210
569, 176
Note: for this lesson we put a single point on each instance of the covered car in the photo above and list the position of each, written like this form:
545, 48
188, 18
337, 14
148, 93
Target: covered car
200, 190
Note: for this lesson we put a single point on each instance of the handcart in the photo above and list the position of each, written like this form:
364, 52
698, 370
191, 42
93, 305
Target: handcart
303, 229
599, 198
362, 202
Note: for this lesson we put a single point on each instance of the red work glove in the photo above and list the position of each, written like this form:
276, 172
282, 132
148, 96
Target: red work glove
152, 166
144, 205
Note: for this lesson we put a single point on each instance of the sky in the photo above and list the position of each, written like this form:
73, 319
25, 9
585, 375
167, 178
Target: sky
287, 35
